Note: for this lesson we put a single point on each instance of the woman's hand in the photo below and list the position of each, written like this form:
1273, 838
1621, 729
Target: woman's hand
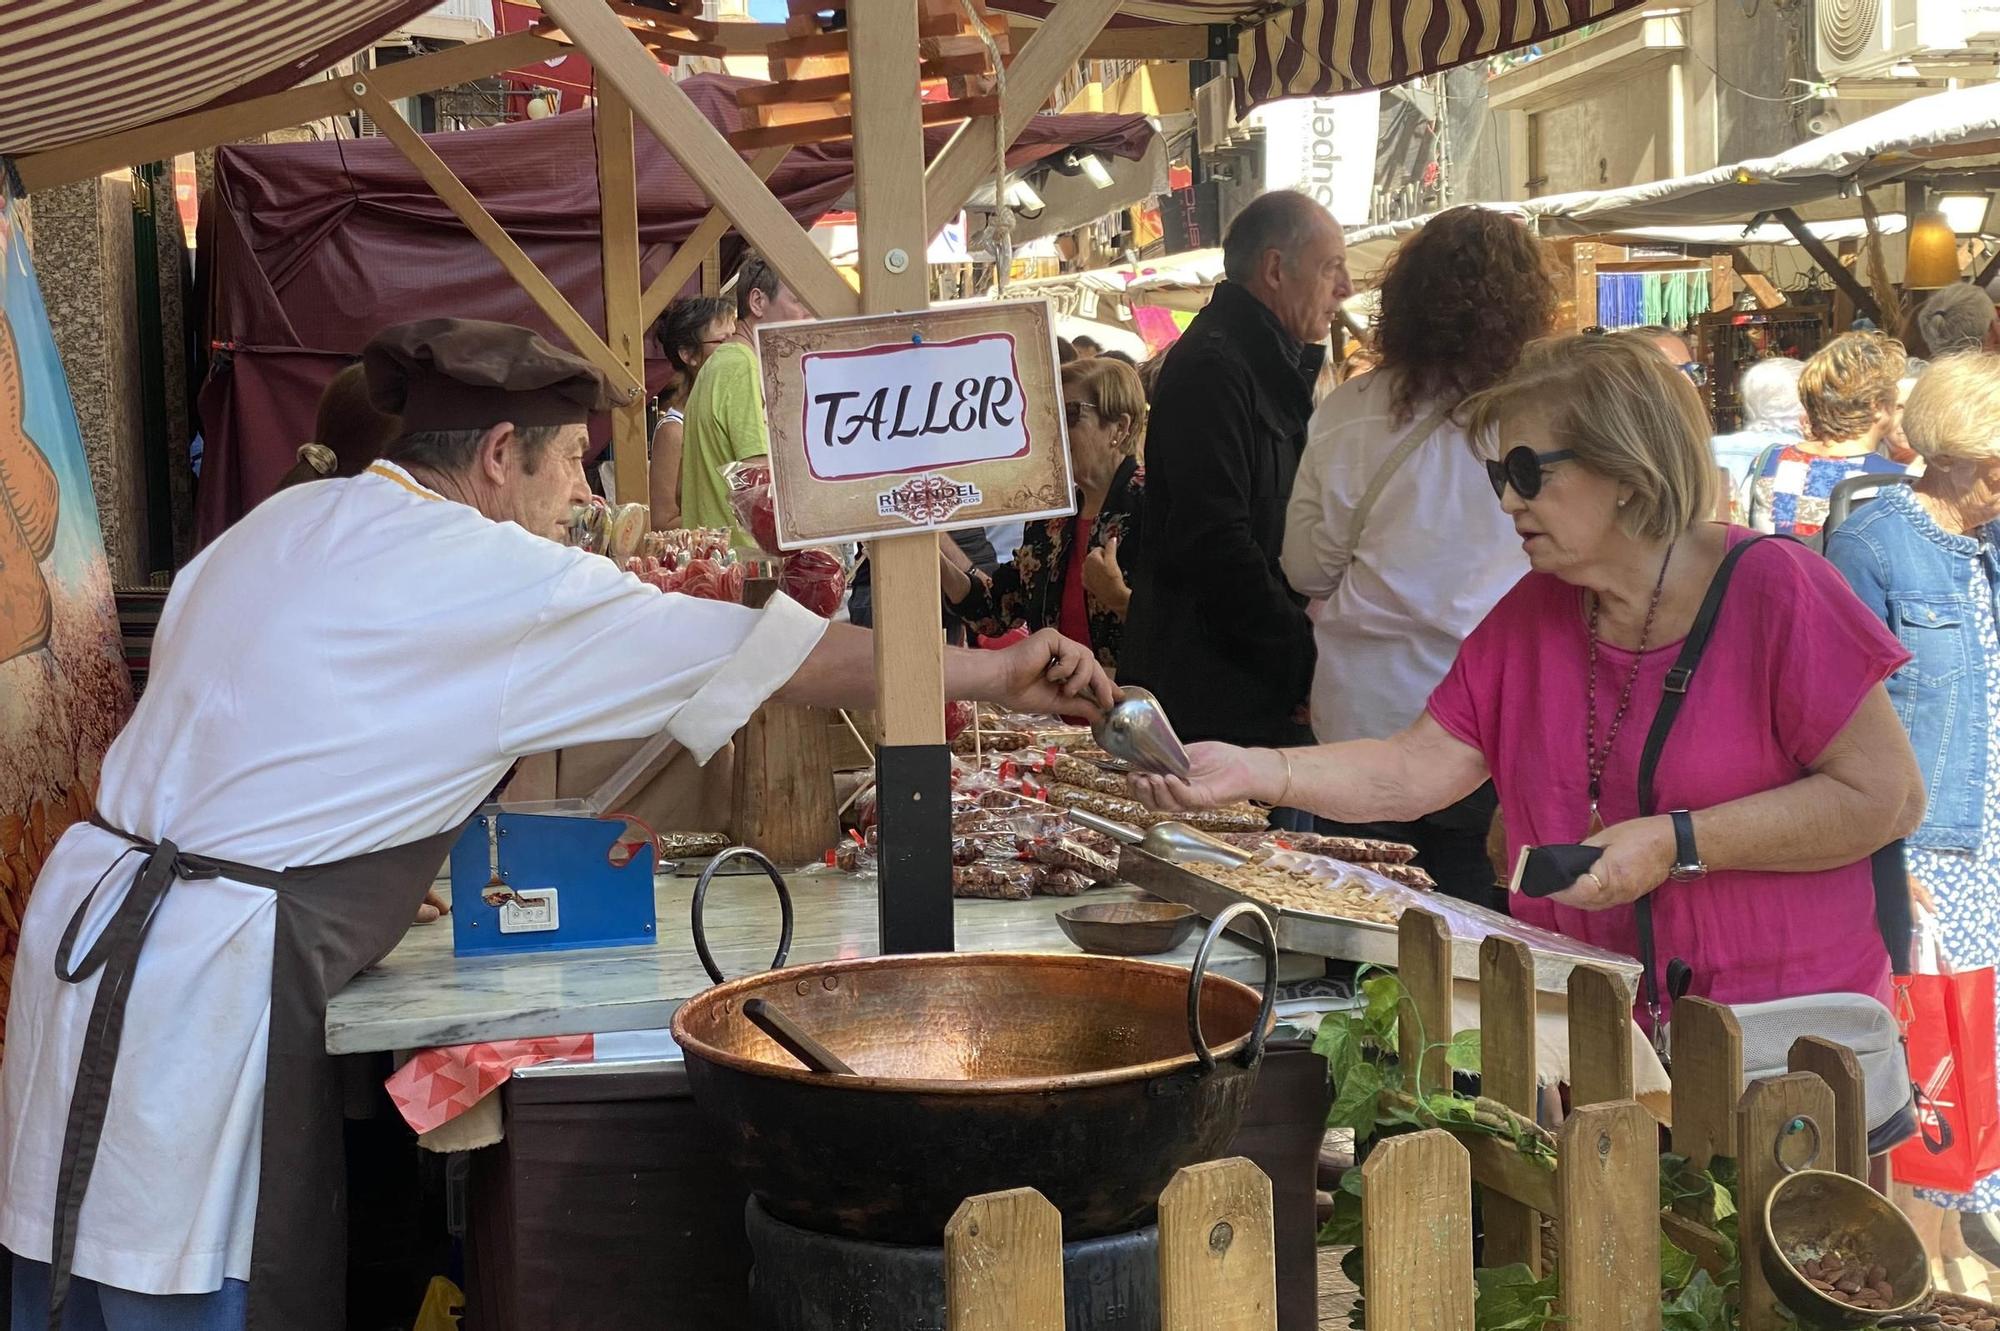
1046, 672
1103, 579
1638, 856
1920, 896
1218, 774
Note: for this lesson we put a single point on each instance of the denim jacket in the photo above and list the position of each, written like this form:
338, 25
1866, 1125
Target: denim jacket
1917, 577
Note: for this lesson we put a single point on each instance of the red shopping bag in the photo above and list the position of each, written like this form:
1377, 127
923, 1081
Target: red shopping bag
1948, 1023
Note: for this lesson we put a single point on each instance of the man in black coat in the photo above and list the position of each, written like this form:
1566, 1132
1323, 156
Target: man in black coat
1213, 628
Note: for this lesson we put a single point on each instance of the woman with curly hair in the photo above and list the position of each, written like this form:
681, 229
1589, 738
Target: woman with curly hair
1391, 525
1849, 392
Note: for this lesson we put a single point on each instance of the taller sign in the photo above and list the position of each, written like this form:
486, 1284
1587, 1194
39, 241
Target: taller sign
935, 420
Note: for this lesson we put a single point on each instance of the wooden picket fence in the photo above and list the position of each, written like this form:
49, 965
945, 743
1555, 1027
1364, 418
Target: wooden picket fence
1602, 1199
1003, 1251
1218, 1272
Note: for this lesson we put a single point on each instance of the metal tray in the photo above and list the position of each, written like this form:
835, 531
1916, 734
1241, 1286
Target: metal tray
1362, 940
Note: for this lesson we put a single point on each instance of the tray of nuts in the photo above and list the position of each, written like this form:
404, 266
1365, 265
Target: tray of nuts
1352, 915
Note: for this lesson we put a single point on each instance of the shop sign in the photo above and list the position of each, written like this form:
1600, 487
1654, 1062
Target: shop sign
926, 421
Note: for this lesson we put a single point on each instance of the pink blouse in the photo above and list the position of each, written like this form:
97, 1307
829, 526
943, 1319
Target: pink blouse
1792, 656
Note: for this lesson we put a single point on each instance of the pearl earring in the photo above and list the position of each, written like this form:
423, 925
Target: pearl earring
1623, 502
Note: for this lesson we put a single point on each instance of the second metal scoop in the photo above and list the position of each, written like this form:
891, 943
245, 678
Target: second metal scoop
1137, 730
1175, 842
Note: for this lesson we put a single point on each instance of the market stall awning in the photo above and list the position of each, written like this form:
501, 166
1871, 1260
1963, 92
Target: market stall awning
1894, 143
1318, 48
75, 71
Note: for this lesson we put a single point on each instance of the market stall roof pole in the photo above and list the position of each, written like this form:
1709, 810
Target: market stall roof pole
279, 110
490, 233
624, 320
1843, 277
705, 155
1052, 52
914, 902
700, 242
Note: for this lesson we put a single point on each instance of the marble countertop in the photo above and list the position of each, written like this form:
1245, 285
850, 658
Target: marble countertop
421, 995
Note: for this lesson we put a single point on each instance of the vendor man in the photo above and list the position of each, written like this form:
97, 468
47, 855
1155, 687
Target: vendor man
337, 684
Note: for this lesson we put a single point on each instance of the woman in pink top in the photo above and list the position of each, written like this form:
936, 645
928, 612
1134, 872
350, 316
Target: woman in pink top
1786, 769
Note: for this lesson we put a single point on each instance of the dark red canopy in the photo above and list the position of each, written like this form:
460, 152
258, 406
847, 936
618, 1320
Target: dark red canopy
309, 248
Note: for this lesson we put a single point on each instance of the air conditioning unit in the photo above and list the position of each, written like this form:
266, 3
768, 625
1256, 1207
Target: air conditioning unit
1868, 38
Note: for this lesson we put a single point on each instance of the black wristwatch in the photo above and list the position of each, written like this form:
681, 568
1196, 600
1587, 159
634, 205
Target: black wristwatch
1687, 863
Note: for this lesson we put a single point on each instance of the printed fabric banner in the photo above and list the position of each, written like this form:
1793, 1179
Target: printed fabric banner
64, 691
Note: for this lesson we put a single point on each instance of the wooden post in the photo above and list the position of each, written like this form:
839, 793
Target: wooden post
624, 327
1508, 1075
1416, 1221
1708, 1079
1721, 282
1218, 1250
1836, 1065
912, 763
1768, 296
1762, 1116
1608, 1228
1600, 1038
1423, 953
491, 234
1003, 1264
1585, 277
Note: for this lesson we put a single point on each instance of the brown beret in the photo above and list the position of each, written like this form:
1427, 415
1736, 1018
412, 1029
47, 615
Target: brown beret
469, 374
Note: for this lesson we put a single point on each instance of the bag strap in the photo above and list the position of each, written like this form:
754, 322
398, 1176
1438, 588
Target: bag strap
1679, 678
1387, 472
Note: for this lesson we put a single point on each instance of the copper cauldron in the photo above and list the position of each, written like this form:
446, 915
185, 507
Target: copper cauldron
1087, 1078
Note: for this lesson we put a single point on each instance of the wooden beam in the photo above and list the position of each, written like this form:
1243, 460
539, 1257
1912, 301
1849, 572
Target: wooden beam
1767, 295
702, 152
491, 234
1843, 278
279, 110
1043, 61
624, 328
979, 109
700, 243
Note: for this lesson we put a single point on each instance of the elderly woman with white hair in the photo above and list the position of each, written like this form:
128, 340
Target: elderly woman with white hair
1772, 417
1923, 557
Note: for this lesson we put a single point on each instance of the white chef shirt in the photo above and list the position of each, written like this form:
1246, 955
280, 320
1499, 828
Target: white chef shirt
1435, 555
353, 666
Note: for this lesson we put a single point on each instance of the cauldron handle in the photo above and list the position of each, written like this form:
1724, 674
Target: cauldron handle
701, 897
1255, 1049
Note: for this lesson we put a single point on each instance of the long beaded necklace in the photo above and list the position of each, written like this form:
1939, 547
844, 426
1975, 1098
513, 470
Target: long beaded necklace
1595, 759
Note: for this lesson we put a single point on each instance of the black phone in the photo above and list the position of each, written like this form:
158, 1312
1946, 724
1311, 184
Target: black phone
1543, 871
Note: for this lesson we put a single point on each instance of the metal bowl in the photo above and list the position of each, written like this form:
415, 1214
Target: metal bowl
1128, 928
1814, 1208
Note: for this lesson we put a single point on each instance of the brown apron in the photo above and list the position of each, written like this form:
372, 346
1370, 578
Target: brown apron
334, 920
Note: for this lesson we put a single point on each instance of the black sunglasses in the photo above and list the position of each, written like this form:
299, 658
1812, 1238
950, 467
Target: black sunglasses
1073, 412
1522, 468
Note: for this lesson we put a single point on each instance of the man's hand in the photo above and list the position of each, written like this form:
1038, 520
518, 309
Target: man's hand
1103, 579
1046, 672
433, 909
1637, 858
1218, 774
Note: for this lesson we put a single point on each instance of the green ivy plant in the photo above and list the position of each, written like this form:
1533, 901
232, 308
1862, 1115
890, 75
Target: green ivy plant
1378, 1093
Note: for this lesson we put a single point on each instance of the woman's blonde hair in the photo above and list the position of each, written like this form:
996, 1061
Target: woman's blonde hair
1847, 381
1624, 410
1954, 410
1113, 388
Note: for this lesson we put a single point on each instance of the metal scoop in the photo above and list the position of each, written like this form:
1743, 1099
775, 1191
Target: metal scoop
1137, 731
1174, 842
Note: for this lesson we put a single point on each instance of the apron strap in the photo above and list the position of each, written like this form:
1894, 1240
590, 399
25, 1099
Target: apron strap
116, 954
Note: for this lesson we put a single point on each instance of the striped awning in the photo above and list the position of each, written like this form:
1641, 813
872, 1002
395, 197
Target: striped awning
1318, 48
72, 71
